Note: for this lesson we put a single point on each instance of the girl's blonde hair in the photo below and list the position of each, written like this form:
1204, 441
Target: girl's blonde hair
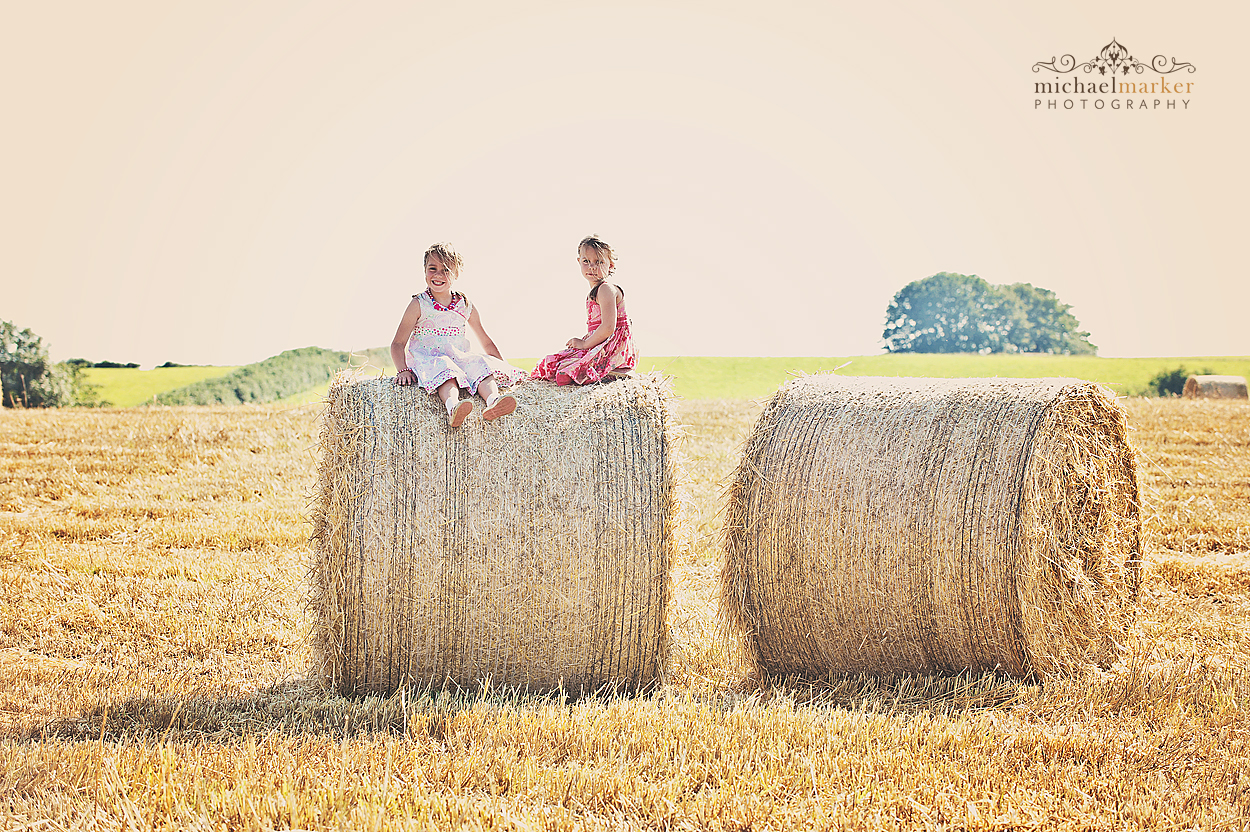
447, 255
601, 248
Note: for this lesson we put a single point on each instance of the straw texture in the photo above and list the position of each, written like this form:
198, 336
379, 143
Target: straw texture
1215, 387
886, 525
532, 551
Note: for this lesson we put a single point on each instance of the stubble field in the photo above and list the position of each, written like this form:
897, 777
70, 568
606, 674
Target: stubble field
152, 667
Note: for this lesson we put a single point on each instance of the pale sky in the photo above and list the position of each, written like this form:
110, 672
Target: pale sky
215, 182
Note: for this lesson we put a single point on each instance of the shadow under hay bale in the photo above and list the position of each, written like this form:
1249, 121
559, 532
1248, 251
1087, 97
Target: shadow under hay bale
534, 551
1215, 387
893, 525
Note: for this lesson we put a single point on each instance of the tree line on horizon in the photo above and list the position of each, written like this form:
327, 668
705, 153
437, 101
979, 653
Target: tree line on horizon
944, 313
285, 374
29, 377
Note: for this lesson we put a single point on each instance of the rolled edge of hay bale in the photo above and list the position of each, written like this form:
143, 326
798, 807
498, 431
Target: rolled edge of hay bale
891, 525
533, 551
1215, 387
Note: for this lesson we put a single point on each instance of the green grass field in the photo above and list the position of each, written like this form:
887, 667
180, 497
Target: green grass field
752, 378
128, 387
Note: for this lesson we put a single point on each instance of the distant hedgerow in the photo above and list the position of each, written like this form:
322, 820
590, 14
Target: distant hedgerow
1171, 382
285, 374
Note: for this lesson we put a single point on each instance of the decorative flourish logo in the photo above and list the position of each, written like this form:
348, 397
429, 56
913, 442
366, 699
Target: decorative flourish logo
1113, 57
1109, 72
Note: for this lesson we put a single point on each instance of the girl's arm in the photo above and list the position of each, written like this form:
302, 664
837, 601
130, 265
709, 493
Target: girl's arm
475, 322
607, 323
407, 324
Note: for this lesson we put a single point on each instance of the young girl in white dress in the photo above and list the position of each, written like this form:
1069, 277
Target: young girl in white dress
430, 347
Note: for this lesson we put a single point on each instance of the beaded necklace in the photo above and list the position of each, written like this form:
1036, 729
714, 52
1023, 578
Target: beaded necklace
455, 298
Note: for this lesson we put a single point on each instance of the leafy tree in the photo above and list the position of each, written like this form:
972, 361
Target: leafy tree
952, 312
28, 378
1041, 323
943, 313
86, 394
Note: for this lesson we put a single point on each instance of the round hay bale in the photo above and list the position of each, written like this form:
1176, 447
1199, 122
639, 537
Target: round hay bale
1215, 387
890, 525
532, 551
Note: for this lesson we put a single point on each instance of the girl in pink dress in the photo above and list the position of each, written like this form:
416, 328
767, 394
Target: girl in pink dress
430, 347
607, 350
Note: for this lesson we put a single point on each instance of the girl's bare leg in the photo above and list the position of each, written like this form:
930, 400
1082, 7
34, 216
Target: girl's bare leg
487, 388
448, 391
457, 411
496, 405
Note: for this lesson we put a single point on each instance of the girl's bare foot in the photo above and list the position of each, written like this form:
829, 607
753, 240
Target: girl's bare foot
459, 413
499, 406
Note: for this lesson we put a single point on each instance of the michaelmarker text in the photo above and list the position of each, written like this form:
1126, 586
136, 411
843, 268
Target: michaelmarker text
1074, 86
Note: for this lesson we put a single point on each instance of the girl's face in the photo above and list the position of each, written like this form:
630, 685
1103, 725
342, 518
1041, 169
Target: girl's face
438, 276
594, 265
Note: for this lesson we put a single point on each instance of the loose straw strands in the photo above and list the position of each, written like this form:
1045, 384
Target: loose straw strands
533, 551
882, 525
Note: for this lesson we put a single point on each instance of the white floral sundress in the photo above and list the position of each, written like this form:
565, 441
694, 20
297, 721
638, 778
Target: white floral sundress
438, 348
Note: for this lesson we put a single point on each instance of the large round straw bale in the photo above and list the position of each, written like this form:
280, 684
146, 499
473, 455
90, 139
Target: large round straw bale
887, 525
532, 551
1215, 387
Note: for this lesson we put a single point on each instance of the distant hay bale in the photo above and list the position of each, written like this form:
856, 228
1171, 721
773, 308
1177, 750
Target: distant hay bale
1215, 387
888, 525
533, 551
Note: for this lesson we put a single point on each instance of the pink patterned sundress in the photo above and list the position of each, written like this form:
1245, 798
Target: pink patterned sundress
438, 348
615, 355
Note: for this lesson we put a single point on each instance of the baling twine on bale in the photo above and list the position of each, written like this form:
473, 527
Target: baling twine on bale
533, 551
887, 525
